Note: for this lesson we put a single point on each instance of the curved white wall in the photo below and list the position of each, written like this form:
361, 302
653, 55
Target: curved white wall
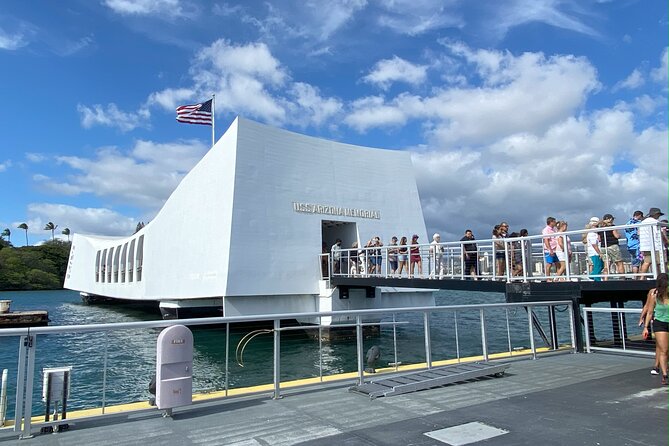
230, 229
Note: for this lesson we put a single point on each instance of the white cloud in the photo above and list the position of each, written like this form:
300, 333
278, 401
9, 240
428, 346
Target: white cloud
69, 47
387, 71
112, 117
312, 108
171, 98
249, 80
661, 73
559, 14
81, 220
372, 111
646, 105
634, 80
173, 8
414, 17
35, 157
528, 92
567, 171
12, 41
143, 177
5, 165
308, 21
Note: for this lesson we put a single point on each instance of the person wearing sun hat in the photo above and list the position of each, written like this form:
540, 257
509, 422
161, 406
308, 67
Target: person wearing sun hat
611, 248
592, 223
650, 240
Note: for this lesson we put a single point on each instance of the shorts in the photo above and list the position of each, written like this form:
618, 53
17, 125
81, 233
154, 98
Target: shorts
376, 260
499, 255
648, 259
415, 258
551, 258
635, 254
393, 264
611, 254
561, 256
660, 326
403, 258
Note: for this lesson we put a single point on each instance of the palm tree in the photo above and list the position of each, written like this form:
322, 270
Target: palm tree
25, 228
7, 233
51, 227
66, 232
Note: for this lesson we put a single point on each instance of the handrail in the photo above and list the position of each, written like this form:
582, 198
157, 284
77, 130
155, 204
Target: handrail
522, 258
622, 342
113, 326
28, 341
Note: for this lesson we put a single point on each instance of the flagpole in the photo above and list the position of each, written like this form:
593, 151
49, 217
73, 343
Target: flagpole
213, 120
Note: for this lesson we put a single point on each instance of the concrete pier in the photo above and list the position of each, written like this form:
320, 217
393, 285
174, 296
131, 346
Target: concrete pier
24, 319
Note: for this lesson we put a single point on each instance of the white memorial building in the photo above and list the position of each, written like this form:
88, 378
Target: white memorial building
243, 231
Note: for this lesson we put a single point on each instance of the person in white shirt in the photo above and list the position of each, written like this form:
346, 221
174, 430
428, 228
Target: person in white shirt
650, 239
336, 256
436, 255
594, 252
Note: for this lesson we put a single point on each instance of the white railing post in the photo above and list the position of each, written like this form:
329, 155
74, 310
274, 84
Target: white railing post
428, 344
104, 373
227, 358
586, 328
358, 339
572, 328
530, 314
277, 359
457, 337
28, 396
20, 382
484, 340
507, 260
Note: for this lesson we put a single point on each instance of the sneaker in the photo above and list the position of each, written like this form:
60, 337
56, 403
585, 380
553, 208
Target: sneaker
655, 371
664, 380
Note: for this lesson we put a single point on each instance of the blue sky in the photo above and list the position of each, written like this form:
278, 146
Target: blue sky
512, 110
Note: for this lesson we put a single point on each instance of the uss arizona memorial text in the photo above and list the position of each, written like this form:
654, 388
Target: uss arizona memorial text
309, 208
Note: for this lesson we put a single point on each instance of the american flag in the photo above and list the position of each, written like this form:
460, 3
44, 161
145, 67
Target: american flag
195, 114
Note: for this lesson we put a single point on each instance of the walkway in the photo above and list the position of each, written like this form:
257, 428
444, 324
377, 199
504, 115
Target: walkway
519, 259
563, 399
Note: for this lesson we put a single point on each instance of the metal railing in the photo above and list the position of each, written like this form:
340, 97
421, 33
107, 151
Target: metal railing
615, 333
499, 325
508, 259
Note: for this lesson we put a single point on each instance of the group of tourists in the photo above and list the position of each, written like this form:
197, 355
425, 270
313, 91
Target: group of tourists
511, 253
646, 244
368, 259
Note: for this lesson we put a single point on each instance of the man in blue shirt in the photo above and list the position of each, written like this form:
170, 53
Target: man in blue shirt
632, 235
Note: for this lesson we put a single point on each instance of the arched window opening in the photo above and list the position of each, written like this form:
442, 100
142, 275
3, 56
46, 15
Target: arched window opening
97, 267
140, 257
110, 258
123, 260
103, 268
131, 260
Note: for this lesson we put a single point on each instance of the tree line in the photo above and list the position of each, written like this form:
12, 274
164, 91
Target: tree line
7, 233
33, 267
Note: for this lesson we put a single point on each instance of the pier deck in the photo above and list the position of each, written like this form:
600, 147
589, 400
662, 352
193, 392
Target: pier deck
555, 400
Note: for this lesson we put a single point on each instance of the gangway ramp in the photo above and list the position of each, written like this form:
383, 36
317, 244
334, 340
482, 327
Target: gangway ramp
428, 379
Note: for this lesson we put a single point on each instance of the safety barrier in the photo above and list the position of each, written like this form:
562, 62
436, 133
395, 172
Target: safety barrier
508, 259
500, 328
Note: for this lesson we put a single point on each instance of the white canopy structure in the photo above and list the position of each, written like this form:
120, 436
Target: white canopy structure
244, 229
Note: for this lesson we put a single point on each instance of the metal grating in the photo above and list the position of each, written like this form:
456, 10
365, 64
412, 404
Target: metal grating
427, 379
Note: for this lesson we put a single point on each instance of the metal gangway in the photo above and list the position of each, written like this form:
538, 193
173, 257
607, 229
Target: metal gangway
428, 379
508, 259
